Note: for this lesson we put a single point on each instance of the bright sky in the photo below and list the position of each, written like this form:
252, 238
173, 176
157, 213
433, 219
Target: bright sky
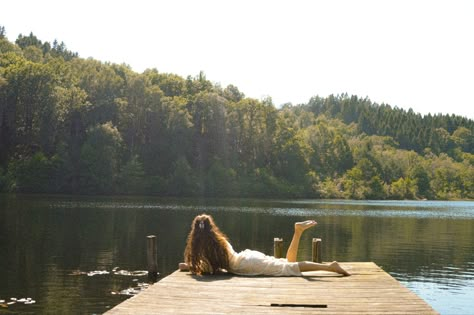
407, 53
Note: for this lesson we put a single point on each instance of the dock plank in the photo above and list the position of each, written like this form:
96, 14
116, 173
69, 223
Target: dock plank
369, 290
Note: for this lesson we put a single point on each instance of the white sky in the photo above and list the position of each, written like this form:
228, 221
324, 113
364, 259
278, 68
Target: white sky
411, 54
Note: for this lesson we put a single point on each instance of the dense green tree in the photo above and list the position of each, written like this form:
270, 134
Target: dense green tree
167, 133
29, 105
198, 84
403, 188
353, 184
75, 125
131, 178
170, 84
410, 130
30, 40
463, 138
220, 181
233, 94
6, 46
132, 112
182, 181
37, 173
33, 53
251, 128
422, 180
208, 112
291, 155
100, 158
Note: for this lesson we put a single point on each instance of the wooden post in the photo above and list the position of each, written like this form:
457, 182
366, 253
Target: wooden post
316, 250
151, 254
278, 247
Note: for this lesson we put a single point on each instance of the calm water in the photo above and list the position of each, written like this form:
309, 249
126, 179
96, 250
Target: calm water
47, 242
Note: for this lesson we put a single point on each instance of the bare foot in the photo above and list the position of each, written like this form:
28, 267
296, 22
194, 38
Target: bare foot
335, 267
301, 226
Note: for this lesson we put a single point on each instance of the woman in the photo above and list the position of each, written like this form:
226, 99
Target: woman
208, 251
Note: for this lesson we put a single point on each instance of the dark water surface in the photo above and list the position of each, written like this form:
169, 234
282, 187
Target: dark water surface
47, 242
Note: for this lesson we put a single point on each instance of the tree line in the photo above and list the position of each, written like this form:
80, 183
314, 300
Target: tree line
75, 125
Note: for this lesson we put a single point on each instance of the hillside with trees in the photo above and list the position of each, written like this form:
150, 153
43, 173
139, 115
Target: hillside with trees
82, 126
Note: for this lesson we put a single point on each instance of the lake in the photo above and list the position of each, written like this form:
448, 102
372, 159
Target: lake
75, 254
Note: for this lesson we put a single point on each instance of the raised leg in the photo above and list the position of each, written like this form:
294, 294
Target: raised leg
300, 227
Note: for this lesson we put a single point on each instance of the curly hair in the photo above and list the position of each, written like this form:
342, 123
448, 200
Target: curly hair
206, 247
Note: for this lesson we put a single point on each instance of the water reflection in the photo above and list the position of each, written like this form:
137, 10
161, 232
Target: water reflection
43, 239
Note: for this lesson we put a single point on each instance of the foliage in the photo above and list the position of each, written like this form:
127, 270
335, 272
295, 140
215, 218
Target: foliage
74, 125
131, 178
37, 174
100, 158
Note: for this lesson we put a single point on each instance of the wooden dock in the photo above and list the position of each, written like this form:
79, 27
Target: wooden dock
369, 290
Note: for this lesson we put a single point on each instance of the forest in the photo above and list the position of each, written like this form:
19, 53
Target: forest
81, 126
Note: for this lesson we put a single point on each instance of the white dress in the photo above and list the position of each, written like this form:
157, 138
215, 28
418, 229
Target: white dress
254, 263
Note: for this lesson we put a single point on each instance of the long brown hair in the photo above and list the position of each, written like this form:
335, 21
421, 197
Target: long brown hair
206, 247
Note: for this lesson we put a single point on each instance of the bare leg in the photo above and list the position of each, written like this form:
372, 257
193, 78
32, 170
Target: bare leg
311, 266
300, 227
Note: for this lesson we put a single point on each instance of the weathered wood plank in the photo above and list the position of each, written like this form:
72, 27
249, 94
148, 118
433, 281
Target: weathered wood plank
369, 290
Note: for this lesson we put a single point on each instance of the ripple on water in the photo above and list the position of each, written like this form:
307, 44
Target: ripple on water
446, 277
418, 209
453, 296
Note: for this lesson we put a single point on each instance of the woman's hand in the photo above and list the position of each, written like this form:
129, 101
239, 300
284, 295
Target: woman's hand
183, 266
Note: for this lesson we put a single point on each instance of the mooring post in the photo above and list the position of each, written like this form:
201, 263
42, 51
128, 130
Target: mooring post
278, 247
316, 250
151, 254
